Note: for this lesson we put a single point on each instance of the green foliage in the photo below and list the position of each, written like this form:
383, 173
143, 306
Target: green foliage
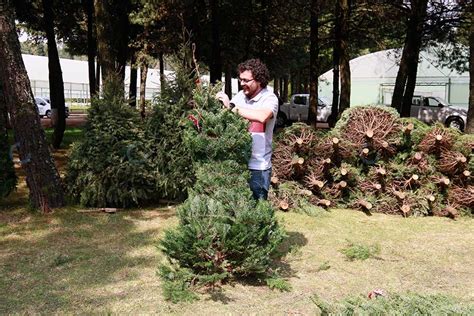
360, 252
218, 137
223, 231
165, 128
396, 304
111, 166
8, 178
277, 283
176, 284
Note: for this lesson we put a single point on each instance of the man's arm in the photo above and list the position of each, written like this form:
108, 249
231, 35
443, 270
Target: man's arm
261, 116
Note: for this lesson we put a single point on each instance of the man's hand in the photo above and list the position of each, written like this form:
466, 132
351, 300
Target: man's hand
221, 96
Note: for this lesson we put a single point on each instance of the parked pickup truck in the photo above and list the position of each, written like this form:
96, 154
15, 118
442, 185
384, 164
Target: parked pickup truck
430, 109
427, 109
297, 110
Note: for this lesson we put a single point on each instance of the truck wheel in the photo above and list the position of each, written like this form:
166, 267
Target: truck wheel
455, 122
281, 119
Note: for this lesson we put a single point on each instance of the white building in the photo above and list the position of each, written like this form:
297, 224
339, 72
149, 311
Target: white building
373, 79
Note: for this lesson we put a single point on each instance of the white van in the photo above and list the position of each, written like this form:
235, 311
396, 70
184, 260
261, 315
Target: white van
44, 107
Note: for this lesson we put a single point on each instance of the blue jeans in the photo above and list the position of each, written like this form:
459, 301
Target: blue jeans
260, 183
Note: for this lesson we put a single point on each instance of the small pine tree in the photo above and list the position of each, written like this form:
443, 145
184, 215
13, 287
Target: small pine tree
112, 165
166, 129
223, 231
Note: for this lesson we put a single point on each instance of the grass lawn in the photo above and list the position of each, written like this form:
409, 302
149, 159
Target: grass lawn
72, 262
78, 262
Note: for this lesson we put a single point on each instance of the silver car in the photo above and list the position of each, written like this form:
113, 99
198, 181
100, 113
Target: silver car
434, 109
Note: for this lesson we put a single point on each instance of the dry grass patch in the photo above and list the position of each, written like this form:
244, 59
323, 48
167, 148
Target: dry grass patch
72, 262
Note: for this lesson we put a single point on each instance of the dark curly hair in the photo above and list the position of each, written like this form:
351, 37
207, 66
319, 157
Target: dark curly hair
259, 71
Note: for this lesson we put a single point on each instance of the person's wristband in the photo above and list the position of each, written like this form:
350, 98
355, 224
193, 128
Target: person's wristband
231, 106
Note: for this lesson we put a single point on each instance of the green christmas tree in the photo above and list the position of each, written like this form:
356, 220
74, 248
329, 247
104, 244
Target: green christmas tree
112, 166
223, 232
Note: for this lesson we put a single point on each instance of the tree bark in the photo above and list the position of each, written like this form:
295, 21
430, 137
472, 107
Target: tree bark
403, 94
314, 64
143, 75
470, 113
42, 177
162, 70
345, 100
132, 95
228, 80
336, 59
56, 84
216, 59
276, 86
91, 46
285, 88
419, 13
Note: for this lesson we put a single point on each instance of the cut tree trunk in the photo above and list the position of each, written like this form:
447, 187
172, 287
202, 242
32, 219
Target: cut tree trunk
42, 177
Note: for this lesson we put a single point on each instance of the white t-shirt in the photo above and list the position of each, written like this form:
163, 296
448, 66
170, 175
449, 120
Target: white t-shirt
262, 134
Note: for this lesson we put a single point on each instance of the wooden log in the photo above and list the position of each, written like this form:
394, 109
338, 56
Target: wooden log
381, 171
365, 151
431, 198
369, 134
327, 161
344, 172
399, 195
405, 208
335, 141
366, 205
342, 184
319, 184
438, 138
408, 129
300, 160
299, 141
418, 156
274, 180
378, 186
466, 173
324, 202
284, 205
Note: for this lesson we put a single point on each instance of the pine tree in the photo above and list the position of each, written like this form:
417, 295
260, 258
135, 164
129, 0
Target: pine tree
112, 166
223, 231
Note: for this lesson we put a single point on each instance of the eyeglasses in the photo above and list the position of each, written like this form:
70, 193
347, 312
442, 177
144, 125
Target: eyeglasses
245, 80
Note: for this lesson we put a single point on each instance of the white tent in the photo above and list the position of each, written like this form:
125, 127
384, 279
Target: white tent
373, 79
76, 77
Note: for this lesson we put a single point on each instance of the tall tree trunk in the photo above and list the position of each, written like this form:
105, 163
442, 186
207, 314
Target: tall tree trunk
104, 29
419, 13
56, 85
336, 60
470, 113
123, 30
228, 80
285, 88
314, 64
97, 76
276, 86
143, 75
7, 170
401, 99
264, 41
162, 70
91, 46
216, 59
132, 95
42, 177
345, 101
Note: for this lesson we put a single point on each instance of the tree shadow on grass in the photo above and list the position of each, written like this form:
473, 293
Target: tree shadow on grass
62, 262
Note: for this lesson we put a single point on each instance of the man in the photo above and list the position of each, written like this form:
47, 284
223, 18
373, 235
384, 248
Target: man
260, 106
